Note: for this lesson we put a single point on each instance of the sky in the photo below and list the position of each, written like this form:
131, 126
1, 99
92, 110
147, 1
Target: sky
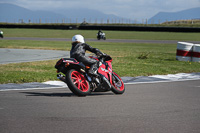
131, 9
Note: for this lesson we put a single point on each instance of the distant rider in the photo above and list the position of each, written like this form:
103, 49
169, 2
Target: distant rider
99, 33
78, 50
1, 34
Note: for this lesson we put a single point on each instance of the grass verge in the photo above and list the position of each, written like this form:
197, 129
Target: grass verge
47, 33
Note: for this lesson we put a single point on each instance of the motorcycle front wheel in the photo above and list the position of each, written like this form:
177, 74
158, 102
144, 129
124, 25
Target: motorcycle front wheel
118, 85
77, 83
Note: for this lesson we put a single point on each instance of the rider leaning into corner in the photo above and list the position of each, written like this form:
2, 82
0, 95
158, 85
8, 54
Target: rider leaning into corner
99, 33
78, 50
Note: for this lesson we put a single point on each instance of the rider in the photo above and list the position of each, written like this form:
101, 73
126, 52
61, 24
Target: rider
78, 50
1, 34
99, 33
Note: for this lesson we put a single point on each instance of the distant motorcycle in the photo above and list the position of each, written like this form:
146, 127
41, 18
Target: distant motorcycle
81, 84
1, 34
101, 36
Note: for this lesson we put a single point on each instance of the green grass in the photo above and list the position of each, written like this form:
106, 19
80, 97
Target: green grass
160, 60
127, 61
27, 72
27, 44
43, 33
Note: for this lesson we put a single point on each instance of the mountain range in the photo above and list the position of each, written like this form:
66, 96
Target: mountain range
15, 14
12, 13
188, 14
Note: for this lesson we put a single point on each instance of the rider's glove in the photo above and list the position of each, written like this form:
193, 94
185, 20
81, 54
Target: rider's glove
99, 54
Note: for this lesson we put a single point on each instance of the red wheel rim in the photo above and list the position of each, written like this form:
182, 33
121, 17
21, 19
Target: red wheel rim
79, 81
118, 85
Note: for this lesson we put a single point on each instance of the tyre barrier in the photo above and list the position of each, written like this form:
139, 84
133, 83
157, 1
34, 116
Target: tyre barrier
188, 52
196, 53
184, 51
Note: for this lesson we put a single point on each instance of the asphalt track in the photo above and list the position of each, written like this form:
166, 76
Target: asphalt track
29, 55
144, 108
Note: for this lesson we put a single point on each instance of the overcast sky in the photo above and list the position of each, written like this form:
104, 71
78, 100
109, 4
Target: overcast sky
133, 9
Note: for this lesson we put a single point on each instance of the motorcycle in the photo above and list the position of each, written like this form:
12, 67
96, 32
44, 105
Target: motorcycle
1, 34
101, 36
81, 84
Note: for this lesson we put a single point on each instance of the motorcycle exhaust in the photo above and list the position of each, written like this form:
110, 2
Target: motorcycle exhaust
61, 77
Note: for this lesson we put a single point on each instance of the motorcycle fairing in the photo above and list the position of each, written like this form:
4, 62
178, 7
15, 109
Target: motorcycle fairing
64, 63
94, 57
106, 70
70, 60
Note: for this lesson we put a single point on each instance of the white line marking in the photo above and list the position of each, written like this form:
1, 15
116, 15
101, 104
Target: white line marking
152, 82
131, 80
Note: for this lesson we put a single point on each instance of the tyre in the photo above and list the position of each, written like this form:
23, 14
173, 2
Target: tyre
117, 85
77, 83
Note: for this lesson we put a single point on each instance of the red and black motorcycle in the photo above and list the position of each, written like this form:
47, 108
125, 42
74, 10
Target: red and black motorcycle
81, 84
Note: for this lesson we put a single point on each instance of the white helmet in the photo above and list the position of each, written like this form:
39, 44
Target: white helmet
78, 38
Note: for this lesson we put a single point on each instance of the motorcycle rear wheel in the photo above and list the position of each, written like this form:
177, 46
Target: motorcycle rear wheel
118, 85
77, 83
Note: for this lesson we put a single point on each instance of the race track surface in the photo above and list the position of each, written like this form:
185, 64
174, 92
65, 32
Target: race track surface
143, 108
29, 55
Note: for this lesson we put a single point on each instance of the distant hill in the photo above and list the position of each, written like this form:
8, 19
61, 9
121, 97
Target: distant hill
189, 14
13, 13
16, 14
